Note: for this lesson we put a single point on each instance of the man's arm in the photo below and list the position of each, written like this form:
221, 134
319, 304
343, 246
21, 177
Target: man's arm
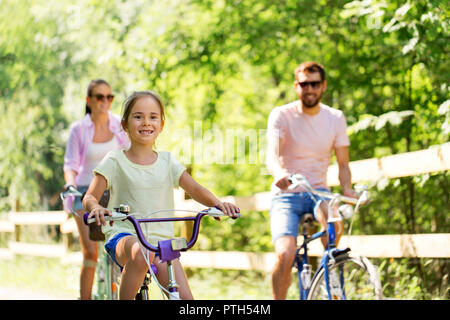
345, 175
279, 173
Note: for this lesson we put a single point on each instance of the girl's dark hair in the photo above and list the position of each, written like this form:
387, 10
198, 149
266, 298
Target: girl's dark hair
91, 87
134, 97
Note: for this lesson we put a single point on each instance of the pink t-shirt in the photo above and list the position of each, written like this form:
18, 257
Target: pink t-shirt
306, 142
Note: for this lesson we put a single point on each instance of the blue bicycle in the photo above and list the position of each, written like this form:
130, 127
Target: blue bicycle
341, 274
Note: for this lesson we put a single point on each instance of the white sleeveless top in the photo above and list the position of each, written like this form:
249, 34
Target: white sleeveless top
95, 154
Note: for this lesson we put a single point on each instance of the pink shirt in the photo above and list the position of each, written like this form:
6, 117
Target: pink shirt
80, 138
306, 142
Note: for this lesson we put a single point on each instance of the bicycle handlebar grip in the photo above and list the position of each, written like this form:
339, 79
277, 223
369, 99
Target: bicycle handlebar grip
85, 218
216, 212
91, 220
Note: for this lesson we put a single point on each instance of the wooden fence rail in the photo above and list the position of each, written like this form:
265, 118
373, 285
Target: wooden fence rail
433, 159
375, 246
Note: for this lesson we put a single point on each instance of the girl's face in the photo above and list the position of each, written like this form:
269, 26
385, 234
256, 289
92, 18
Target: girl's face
144, 122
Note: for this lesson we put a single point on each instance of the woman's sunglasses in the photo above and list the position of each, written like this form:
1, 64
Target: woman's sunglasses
101, 97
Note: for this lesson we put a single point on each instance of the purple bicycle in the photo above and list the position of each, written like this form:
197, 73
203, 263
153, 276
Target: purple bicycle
168, 250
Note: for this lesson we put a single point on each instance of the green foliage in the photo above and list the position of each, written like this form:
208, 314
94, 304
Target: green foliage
403, 279
423, 213
36, 59
250, 233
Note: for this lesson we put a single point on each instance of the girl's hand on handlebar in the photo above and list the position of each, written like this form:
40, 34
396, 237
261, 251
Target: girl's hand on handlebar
99, 213
229, 209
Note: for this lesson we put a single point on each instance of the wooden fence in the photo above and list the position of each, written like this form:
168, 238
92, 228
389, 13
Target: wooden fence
434, 159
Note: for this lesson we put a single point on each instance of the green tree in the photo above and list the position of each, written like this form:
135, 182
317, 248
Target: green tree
36, 58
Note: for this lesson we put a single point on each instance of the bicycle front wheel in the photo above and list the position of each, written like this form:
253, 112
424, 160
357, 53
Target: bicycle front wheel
361, 281
108, 279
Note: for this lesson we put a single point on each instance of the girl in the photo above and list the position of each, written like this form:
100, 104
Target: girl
90, 139
144, 179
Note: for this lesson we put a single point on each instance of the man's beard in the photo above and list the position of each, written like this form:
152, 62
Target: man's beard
310, 103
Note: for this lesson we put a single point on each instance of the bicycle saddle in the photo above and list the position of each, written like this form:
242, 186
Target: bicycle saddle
308, 223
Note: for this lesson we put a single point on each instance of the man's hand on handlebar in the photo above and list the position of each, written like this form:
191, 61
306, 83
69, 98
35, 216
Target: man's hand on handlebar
349, 192
283, 183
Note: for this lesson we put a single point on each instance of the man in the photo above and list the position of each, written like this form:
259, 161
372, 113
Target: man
301, 137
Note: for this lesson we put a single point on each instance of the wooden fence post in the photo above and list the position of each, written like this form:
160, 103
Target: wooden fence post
17, 227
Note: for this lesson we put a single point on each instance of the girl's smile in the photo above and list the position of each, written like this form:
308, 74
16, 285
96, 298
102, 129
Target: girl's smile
146, 132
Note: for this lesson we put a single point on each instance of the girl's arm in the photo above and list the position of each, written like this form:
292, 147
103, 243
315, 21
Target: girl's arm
92, 197
204, 196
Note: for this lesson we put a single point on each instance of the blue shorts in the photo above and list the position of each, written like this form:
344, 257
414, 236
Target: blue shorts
286, 211
111, 244
77, 204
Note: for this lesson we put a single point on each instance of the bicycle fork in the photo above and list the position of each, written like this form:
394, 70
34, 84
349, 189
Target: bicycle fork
334, 280
173, 285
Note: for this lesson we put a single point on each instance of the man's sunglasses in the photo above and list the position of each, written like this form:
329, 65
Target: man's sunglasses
101, 97
313, 84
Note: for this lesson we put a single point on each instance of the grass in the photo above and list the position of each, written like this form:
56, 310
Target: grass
210, 284
45, 275
50, 277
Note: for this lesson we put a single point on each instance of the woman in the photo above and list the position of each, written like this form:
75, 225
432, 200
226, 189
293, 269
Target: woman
90, 139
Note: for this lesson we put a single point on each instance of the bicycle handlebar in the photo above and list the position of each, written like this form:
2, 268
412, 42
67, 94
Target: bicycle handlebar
120, 216
70, 190
299, 180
